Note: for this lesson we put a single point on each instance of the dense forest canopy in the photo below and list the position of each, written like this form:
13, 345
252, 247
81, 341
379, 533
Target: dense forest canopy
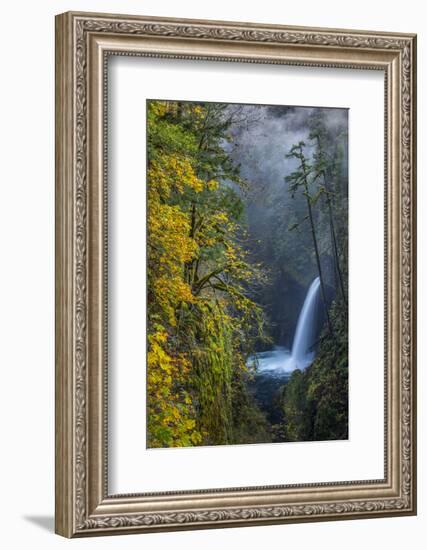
246, 206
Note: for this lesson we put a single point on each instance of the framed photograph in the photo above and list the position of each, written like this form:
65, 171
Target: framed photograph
235, 274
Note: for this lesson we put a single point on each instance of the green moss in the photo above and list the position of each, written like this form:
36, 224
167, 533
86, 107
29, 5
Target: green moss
211, 379
226, 412
315, 401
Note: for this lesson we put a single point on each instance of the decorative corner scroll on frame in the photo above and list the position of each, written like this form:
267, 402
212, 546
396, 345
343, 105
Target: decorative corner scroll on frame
84, 26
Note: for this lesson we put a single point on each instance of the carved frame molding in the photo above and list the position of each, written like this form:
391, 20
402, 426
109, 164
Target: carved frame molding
83, 43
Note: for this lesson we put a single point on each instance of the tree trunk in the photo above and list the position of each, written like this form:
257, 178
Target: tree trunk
332, 231
316, 250
316, 247
335, 249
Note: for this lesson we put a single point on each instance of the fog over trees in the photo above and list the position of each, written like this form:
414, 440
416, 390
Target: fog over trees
279, 233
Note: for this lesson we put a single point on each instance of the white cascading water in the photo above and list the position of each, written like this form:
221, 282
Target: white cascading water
305, 335
279, 360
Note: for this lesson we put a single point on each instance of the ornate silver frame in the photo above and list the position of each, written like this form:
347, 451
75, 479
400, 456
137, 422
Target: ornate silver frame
83, 42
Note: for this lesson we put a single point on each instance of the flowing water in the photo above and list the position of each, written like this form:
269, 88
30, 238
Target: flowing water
303, 347
275, 366
280, 361
274, 362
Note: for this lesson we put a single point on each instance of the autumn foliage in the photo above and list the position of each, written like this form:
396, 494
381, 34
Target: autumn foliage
202, 320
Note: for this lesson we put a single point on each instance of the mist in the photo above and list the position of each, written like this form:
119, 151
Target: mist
278, 235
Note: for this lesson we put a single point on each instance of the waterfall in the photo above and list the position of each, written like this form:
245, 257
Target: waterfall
280, 361
306, 333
